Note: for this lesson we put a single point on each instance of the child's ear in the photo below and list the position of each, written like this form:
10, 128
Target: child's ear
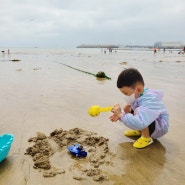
140, 88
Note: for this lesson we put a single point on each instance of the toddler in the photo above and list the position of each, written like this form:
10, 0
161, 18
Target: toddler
144, 112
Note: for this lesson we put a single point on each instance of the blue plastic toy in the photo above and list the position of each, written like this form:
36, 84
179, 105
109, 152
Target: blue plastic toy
77, 150
5, 145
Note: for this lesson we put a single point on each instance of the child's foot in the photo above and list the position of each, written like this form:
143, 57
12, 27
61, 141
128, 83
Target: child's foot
142, 142
131, 133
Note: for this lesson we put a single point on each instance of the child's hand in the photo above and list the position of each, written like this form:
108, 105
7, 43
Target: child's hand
113, 118
117, 113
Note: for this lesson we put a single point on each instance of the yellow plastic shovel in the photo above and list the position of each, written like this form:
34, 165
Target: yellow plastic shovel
95, 110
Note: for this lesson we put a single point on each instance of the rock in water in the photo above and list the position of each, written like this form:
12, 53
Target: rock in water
100, 74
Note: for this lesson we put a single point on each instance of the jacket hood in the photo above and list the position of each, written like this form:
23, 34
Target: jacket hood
157, 93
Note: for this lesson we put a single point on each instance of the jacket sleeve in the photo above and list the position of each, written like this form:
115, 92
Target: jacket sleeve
142, 119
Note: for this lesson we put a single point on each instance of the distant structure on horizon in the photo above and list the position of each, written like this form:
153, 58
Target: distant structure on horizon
169, 45
98, 46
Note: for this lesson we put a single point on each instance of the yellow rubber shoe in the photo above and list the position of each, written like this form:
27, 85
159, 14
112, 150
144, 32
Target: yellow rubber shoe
131, 133
142, 142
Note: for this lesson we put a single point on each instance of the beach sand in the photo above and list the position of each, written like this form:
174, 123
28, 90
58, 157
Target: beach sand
44, 104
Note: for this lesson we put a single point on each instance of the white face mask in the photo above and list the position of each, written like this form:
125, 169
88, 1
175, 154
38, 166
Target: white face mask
130, 99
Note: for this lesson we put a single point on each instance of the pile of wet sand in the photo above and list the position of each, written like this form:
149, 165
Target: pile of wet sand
96, 165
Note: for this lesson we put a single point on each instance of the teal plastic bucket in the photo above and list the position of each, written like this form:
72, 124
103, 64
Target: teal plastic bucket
5, 145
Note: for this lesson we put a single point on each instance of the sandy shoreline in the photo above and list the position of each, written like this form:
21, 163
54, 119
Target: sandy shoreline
38, 95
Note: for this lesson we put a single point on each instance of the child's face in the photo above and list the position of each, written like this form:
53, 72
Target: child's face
127, 90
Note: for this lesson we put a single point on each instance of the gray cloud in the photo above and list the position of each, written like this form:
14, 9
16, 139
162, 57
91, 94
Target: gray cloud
59, 23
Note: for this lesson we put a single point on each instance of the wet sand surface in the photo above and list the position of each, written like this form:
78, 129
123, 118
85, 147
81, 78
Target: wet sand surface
44, 104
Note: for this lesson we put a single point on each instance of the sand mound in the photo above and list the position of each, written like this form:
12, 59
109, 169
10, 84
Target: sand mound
50, 154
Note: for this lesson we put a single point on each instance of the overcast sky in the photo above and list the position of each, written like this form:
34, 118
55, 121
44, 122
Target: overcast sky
68, 23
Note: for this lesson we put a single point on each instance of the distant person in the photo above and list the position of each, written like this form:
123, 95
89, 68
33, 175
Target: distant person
164, 50
155, 50
8, 51
144, 111
182, 51
110, 50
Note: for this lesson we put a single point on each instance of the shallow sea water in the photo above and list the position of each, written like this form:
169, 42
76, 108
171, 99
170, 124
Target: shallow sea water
40, 94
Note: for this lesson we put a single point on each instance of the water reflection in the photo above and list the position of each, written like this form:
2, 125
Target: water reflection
101, 80
144, 165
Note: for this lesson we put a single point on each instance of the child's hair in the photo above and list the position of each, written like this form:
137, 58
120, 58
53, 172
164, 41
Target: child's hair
129, 78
